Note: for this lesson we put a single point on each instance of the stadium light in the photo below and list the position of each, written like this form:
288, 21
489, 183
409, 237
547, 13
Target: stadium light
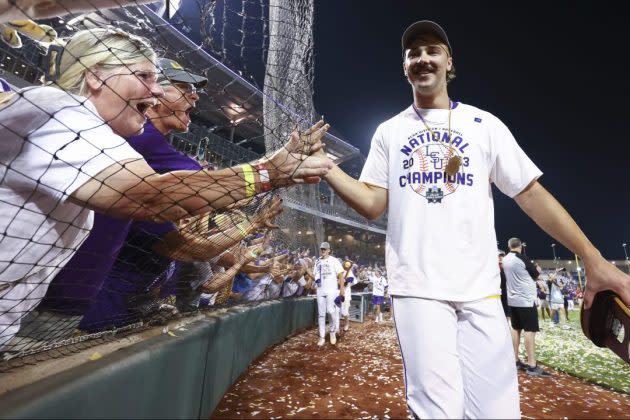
553, 248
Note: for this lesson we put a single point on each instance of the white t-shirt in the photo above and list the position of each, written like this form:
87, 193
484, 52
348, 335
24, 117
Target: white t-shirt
52, 143
556, 290
327, 271
292, 287
258, 291
273, 290
378, 285
441, 242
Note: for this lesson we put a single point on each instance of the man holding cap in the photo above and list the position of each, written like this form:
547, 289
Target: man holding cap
432, 165
328, 274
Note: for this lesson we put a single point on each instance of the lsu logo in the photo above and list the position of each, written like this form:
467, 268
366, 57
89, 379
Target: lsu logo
426, 172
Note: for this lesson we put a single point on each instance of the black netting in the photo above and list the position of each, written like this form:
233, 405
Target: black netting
130, 197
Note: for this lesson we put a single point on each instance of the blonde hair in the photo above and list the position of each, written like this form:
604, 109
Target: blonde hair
102, 47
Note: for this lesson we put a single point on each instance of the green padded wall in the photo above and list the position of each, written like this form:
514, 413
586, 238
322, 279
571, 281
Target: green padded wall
164, 377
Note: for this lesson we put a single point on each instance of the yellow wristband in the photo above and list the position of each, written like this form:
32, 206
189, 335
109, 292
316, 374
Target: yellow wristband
243, 231
250, 181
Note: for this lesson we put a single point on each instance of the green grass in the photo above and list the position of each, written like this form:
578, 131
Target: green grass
571, 352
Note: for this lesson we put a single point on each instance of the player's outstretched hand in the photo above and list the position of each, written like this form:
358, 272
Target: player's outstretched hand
602, 275
308, 142
291, 164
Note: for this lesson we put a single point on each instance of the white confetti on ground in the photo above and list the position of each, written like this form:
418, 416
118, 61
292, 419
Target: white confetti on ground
361, 377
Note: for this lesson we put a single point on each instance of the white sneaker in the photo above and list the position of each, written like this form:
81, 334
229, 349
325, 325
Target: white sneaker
321, 341
333, 338
346, 327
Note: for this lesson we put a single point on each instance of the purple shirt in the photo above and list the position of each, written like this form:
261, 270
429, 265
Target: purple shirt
4, 86
73, 290
138, 269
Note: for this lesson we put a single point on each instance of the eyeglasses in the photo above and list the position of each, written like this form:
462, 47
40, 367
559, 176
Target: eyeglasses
186, 88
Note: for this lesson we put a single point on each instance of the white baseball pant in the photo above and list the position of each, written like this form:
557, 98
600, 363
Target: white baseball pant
326, 305
457, 357
345, 305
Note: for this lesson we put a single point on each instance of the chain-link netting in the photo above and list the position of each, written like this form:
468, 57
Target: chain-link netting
144, 175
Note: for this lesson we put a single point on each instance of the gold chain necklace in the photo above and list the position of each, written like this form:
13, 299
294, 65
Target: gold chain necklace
454, 162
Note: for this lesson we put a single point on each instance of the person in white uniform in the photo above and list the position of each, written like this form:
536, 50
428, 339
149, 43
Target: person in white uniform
328, 274
432, 166
348, 281
379, 283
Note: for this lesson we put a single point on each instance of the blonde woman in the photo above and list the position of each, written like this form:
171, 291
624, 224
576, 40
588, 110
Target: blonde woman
63, 155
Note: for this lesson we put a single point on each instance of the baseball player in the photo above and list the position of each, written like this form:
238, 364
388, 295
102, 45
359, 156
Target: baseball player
379, 283
329, 280
432, 165
556, 297
348, 281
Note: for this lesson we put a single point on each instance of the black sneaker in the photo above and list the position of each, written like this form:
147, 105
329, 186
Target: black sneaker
536, 371
520, 365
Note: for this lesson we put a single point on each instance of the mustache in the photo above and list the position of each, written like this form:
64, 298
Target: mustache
418, 67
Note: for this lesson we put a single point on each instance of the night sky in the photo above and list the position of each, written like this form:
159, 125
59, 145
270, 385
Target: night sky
554, 74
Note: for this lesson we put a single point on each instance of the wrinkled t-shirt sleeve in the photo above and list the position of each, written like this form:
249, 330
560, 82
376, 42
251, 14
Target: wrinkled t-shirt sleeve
376, 167
512, 170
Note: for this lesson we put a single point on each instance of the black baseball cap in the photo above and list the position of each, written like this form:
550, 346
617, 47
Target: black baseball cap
175, 72
423, 27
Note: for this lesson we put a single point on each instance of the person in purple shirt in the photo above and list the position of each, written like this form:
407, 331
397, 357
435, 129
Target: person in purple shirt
100, 278
154, 252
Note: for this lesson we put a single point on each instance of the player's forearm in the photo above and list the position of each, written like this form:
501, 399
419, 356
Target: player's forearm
549, 214
370, 202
